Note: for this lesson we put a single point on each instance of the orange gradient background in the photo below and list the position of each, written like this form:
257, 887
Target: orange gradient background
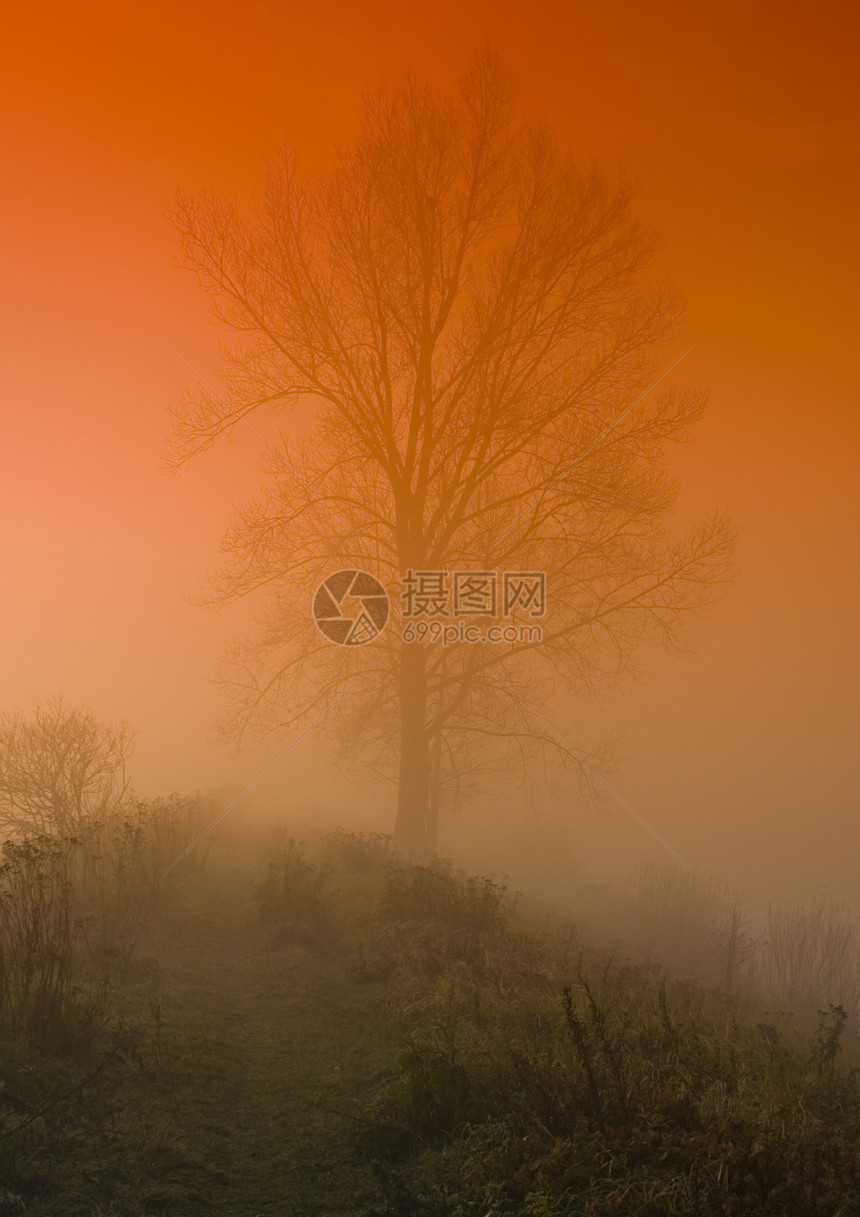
740, 123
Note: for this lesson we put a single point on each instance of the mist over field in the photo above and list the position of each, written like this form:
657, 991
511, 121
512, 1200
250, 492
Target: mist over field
429, 520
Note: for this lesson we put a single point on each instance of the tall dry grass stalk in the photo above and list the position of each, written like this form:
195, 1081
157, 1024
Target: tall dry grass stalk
73, 911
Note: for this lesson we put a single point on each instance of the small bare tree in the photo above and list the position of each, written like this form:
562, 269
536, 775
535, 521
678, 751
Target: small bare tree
810, 955
696, 922
60, 768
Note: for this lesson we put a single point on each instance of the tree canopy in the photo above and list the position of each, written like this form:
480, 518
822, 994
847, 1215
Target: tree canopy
470, 322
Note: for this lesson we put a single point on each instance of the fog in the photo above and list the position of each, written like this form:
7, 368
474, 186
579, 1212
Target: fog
739, 129
430, 439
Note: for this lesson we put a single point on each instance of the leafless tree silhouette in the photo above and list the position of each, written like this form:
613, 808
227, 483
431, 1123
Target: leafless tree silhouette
810, 956
467, 317
60, 768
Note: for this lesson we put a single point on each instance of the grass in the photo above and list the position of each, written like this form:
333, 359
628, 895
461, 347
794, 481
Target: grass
314, 1029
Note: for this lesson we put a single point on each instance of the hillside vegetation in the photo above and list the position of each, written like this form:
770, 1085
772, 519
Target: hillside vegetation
291, 1028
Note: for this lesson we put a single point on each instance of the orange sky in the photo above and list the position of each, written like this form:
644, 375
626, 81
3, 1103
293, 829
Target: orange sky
740, 123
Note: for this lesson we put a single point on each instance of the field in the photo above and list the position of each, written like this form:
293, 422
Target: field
308, 1028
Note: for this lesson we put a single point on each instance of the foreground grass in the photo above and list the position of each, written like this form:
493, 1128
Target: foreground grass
542, 1076
218, 1087
329, 1030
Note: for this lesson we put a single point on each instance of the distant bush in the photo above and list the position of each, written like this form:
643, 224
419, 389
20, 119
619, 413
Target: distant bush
435, 915
805, 957
810, 956
358, 851
295, 896
693, 923
440, 894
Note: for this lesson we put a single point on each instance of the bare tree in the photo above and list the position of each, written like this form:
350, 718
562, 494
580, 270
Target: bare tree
692, 921
60, 768
466, 316
810, 955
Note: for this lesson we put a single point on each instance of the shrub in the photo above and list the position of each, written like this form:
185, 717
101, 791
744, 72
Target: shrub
41, 998
358, 851
295, 896
439, 895
72, 913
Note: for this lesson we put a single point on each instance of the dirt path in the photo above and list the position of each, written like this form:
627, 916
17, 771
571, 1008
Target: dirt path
263, 1045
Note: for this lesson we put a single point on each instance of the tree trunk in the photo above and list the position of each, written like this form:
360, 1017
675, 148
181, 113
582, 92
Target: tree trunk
411, 826
434, 799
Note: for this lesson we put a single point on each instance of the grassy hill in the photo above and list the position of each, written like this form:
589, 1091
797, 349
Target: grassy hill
319, 1029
